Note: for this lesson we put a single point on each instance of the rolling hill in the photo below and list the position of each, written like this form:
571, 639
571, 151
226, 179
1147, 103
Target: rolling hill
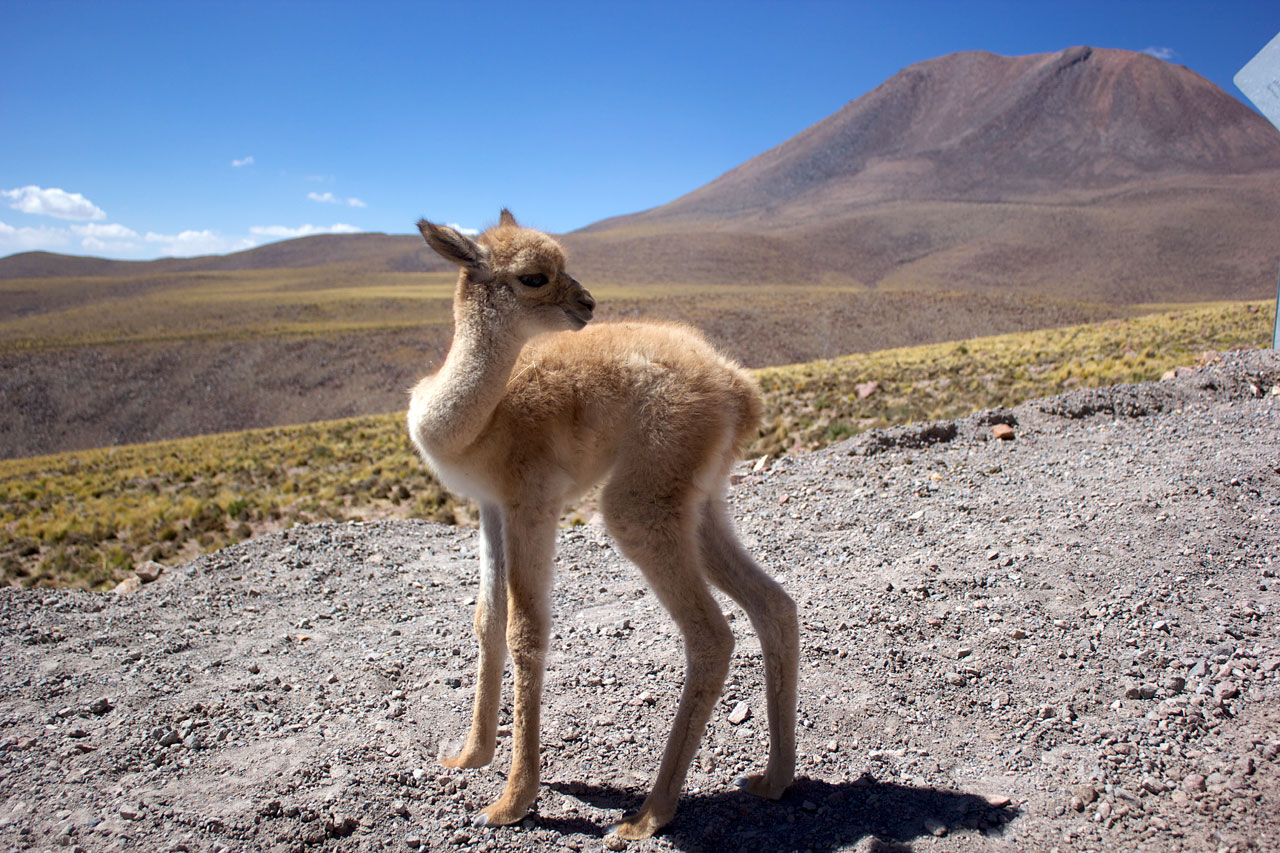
968, 195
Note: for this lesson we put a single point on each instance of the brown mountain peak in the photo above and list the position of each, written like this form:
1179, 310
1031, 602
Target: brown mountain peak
978, 126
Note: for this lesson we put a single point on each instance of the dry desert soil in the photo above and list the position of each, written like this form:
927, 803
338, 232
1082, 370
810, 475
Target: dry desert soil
1064, 640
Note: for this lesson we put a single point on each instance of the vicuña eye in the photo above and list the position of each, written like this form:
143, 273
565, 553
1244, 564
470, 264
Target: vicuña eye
535, 280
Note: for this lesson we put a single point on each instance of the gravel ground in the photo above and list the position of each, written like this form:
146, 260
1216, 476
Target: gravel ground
1064, 640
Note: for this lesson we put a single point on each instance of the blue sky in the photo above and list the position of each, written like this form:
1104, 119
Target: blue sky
137, 130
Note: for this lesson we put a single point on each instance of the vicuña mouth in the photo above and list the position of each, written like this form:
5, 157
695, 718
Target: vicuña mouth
576, 319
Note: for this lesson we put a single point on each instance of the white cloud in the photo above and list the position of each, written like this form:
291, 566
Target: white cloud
113, 231
1165, 53
111, 238
246, 161
52, 202
471, 232
283, 231
206, 242
330, 198
31, 239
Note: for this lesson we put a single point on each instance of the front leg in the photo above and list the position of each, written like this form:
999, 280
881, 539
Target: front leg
491, 620
530, 541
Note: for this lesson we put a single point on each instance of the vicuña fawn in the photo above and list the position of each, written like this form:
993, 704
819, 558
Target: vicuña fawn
531, 409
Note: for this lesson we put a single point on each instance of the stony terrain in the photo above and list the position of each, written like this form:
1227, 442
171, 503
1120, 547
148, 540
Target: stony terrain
1066, 639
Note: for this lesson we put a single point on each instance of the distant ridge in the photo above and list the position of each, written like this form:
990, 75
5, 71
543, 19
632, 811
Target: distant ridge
378, 252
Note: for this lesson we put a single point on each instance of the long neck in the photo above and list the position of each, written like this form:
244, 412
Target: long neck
453, 407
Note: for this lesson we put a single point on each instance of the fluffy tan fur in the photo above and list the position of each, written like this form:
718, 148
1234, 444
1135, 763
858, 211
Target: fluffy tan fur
527, 413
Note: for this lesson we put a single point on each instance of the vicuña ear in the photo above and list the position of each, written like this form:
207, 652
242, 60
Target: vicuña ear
505, 218
459, 248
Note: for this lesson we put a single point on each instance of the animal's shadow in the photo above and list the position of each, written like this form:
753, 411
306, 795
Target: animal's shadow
813, 816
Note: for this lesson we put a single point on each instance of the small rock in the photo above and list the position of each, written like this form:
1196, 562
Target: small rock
100, 706
998, 801
1086, 793
1175, 684
1004, 432
1153, 786
955, 679
1193, 783
613, 842
963, 652
128, 586
1226, 690
740, 713
934, 827
149, 571
340, 826
131, 811
1017, 634
866, 389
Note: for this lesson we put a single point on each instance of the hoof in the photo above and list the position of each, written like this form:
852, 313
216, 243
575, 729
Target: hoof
758, 786
465, 758
497, 815
637, 826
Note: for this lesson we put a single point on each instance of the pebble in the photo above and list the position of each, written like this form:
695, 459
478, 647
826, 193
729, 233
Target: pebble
740, 713
1152, 785
1193, 783
613, 842
955, 679
149, 571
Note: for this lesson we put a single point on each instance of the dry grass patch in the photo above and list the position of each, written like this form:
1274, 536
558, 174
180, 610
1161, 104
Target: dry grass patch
85, 519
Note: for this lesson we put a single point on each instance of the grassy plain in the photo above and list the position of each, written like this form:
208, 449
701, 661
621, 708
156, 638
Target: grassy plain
85, 519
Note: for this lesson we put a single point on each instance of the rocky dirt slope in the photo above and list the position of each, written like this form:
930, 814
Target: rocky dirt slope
1065, 640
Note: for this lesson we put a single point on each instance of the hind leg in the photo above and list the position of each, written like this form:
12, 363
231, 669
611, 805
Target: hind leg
661, 543
773, 616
